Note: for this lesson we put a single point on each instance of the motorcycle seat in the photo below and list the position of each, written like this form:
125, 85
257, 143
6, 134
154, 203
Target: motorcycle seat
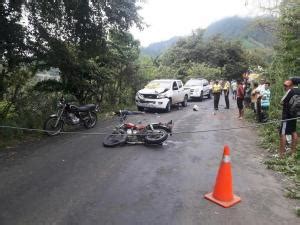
139, 126
88, 107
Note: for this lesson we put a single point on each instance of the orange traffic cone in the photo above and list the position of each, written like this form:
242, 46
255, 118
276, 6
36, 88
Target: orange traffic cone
223, 193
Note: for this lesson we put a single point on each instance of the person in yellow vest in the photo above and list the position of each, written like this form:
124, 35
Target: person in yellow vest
226, 93
216, 90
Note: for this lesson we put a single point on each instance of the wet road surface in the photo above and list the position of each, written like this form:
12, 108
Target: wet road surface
72, 179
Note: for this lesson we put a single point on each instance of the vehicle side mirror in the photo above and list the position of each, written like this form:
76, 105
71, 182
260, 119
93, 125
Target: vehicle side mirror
175, 88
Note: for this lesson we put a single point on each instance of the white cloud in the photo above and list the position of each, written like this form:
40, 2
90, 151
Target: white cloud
168, 18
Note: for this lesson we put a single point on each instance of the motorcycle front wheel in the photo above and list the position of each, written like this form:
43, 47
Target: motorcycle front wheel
156, 136
50, 128
115, 139
91, 121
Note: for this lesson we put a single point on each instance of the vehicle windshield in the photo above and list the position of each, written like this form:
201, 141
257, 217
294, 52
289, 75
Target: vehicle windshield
193, 83
159, 84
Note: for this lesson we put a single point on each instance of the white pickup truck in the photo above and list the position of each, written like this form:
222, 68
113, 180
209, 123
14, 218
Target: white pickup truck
161, 94
197, 88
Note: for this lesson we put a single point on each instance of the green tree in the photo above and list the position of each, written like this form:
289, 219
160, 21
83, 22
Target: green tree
211, 55
289, 26
73, 35
14, 54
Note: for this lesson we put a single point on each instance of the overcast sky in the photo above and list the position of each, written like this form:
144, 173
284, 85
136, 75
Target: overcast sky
168, 18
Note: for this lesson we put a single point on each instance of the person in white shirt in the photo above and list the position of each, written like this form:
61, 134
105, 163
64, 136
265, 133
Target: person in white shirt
261, 86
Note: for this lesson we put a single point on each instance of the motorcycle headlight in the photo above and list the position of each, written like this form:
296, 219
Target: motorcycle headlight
60, 105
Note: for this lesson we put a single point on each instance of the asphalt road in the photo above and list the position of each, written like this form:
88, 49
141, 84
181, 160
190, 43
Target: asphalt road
72, 179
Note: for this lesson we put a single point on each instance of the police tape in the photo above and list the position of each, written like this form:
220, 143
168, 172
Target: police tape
174, 132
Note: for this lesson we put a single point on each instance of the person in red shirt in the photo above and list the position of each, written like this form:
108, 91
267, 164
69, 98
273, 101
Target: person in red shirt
240, 99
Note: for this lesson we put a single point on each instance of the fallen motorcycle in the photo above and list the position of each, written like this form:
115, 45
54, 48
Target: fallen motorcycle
71, 115
129, 133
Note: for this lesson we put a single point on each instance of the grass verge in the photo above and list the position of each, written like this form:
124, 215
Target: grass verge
289, 166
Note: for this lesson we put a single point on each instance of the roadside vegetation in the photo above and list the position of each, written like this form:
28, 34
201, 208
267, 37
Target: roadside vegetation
88, 41
285, 64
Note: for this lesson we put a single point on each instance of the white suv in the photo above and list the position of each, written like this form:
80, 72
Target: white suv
198, 88
161, 94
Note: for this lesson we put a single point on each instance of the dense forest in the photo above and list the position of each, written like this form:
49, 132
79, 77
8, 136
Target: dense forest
99, 60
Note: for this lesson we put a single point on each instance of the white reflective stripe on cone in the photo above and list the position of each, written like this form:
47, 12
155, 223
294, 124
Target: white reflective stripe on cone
226, 159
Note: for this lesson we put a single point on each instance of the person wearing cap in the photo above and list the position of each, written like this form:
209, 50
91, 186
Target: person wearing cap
288, 127
216, 90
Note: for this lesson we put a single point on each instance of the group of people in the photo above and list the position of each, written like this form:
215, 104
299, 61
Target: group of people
217, 89
248, 94
257, 96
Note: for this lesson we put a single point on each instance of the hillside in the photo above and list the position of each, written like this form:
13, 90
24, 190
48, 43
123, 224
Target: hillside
252, 32
157, 48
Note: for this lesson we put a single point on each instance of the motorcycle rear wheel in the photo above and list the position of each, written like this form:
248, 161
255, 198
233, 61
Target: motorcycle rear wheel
156, 136
91, 121
50, 128
115, 139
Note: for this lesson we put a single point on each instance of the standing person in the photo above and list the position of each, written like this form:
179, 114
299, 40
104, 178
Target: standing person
226, 93
247, 97
265, 102
254, 97
288, 127
261, 86
216, 90
240, 99
233, 88
259, 90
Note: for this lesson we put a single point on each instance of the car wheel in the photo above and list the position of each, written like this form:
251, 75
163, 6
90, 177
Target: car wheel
140, 108
184, 103
168, 107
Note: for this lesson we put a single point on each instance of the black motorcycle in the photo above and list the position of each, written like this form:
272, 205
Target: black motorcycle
129, 133
71, 115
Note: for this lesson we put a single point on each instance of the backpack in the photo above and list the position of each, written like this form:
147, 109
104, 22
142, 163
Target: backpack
294, 106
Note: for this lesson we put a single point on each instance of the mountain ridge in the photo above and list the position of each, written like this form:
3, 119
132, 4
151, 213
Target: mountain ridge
251, 32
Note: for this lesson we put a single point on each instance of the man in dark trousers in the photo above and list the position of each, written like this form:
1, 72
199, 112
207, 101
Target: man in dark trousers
240, 99
226, 93
288, 127
216, 90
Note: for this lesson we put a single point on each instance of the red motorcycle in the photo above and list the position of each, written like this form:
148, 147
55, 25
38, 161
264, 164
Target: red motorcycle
129, 133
